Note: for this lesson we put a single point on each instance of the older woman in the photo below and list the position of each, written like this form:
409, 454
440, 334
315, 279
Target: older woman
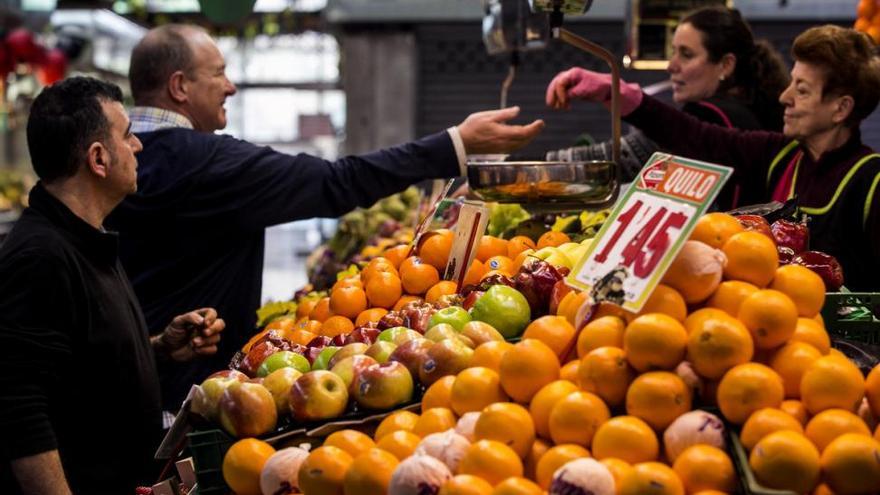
719, 74
818, 157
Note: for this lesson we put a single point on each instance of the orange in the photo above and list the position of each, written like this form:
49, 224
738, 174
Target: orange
746, 388
404, 300
418, 277
434, 249
336, 325
401, 443
502, 264
832, 382
440, 289
877, 433
530, 463
475, 388
751, 257
543, 402
666, 300
851, 465
350, 281
605, 372
576, 417
791, 361
570, 304
551, 238
695, 319
434, 420
526, 367
764, 422
627, 438
554, 459
351, 441
370, 315
377, 265
321, 311
489, 354
703, 467
474, 274
518, 244
654, 341
492, 273
384, 289
370, 473
507, 423
282, 324
866, 9
715, 229
253, 340
601, 332
812, 332
524, 258
795, 409
305, 306
493, 461
786, 460
302, 337
619, 470
611, 309
729, 296
824, 427
396, 421
804, 286
872, 390
770, 316
439, 394
569, 371
323, 471
396, 254
822, 489
465, 484
243, 464
695, 272
658, 397
491, 246
555, 331
517, 486
651, 478
718, 343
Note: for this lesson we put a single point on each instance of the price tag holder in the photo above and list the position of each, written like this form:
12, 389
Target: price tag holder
473, 217
647, 229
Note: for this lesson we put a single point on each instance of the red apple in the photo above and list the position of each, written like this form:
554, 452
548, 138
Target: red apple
560, 290
278, 383
791, 234
366, 334
349, 368
756, 223
447, 357
383, 386
206, 398
471, 299
247, 410
255, 357
411, 353
317, 395
238, 375
320, 341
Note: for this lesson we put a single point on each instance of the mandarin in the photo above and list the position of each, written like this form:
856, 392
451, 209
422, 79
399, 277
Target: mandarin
764, 422
747, 388
606, 372
751, 257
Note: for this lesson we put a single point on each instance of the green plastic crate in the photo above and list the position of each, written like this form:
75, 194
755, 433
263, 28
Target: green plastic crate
749, 484
208, 449
856, 323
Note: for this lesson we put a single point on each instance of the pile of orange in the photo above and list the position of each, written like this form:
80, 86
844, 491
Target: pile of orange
868, 19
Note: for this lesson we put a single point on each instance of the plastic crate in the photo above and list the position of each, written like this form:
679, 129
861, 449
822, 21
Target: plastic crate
749, 484
208, 449
851, 316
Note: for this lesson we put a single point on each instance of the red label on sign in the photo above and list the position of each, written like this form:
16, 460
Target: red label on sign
690, 183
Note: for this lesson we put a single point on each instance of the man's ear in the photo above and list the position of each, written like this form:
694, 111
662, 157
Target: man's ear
842, 109
177, 87
98, 159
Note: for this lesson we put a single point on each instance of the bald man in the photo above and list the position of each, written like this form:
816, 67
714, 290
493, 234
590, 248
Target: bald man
194, 232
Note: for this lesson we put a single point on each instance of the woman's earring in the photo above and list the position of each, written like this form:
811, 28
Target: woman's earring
721, 77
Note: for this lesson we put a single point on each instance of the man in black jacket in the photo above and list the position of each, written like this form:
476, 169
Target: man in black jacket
194, 232
79, 394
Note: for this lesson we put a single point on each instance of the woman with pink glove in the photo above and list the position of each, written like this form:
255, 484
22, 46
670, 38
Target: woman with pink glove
720, 74
818, 158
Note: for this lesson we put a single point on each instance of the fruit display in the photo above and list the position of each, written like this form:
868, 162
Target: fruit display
14, 187
624, 404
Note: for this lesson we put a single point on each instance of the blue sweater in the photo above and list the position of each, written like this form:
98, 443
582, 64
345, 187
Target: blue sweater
193, 234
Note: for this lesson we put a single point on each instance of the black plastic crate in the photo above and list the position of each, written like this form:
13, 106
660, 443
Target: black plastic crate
208, 449
853, 316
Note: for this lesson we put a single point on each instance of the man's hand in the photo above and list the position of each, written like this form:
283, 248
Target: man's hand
487, 132
189, 335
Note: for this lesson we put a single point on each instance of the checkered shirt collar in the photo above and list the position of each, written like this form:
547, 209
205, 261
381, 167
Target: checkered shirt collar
149, 119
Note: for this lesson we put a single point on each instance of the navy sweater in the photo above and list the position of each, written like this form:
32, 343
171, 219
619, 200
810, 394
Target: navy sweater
193, 234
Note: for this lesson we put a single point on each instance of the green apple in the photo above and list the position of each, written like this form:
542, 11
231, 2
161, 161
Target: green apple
283, 359
577, 253
453, 315
323, 358
398, 335
505, 308
380, 350
554, 256
278, 383
441, 331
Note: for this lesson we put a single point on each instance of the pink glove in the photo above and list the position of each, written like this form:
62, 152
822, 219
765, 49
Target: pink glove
581, 84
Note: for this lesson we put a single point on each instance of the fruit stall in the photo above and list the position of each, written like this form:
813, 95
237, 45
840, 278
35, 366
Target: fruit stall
748, 368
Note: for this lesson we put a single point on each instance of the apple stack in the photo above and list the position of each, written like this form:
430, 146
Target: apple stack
609, 408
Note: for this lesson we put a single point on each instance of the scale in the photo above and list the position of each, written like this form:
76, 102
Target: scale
514, 26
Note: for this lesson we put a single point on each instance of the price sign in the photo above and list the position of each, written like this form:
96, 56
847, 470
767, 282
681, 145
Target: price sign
472, 221
647, 229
